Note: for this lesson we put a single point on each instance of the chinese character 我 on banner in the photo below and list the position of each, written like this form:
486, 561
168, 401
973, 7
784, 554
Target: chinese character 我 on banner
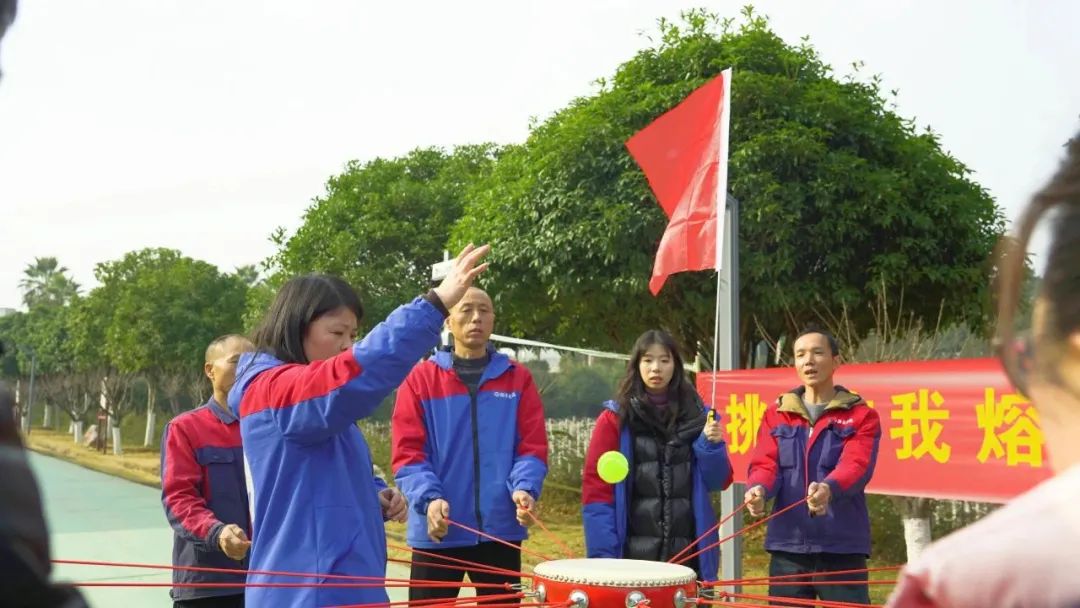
917, 418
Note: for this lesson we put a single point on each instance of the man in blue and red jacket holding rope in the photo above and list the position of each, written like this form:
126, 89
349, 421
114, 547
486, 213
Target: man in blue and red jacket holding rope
203, 489
469, 447
818, 444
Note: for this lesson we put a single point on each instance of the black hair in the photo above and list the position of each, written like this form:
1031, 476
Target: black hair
1059, 289
8, 9
298, 303
680, 390
834, 344
1060, 286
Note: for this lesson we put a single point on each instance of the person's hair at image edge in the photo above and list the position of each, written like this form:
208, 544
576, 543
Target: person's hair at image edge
299, 302
7, 17
1059, 289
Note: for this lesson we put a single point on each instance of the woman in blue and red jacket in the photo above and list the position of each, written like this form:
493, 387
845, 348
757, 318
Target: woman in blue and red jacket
317, 506
676, 454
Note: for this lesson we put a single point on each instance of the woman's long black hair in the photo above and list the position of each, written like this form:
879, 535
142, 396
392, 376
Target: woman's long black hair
681, 393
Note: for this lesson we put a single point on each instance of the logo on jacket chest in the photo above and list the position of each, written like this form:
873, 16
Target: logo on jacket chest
504, 395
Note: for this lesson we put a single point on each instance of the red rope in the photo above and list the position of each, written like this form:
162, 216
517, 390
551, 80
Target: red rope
723, 521
464, 562
78, 562
488, 570
744, 581
437, 601
739, 605
795, 601
287, 585
498, 540
797, 583
535, 605
743, 531
558, 541
378, 580
481, 602
463, 600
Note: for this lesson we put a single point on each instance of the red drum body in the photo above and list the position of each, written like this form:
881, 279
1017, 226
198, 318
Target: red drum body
615, 583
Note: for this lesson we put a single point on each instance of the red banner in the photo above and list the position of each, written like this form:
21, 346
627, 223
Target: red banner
949, 429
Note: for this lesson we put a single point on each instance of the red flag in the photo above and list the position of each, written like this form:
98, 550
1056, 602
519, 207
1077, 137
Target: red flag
684, 156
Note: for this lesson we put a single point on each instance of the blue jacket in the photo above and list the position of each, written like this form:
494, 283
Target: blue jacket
472, 452
316, 508
605, 506
840, 449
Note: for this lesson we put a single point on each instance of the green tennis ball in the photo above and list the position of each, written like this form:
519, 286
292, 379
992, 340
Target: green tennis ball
612, 466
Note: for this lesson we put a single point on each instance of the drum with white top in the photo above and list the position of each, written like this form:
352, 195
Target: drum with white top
615, 583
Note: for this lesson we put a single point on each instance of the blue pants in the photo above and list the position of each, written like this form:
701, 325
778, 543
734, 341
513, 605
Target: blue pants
783, 564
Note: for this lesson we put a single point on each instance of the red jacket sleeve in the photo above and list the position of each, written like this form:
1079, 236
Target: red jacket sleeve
181, 490
764, 460
858, 457
408, 432
531, 452
605, 438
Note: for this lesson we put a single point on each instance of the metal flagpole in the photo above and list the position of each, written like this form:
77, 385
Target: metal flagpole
726, 325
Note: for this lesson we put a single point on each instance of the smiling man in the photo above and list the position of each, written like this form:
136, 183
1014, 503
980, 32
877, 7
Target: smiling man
469, 446
819, 442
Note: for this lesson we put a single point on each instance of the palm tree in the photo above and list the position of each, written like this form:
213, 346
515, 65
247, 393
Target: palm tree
46, 283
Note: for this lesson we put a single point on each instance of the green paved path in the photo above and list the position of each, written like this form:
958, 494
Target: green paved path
93, 516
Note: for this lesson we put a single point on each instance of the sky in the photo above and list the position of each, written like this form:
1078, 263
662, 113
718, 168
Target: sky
202, 126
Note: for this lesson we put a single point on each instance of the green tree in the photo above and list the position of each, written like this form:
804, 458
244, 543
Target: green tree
166, 308
11, 326
46, 282
153, 315
380, 226
247, 274
579, 388
259, 297
839, 195
38, 338
45, 334
41, 339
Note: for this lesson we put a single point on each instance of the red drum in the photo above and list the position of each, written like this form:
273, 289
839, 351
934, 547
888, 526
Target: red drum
615, 583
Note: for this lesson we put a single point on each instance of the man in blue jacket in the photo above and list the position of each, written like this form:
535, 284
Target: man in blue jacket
818, 442
469, 445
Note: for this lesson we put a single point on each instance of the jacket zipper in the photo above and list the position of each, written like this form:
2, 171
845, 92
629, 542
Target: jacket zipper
476, 455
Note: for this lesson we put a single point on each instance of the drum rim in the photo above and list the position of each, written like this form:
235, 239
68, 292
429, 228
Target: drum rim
674, 580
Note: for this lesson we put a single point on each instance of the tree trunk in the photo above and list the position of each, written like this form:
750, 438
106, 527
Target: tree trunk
78, 425
151, 415
916, 514
49, 417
